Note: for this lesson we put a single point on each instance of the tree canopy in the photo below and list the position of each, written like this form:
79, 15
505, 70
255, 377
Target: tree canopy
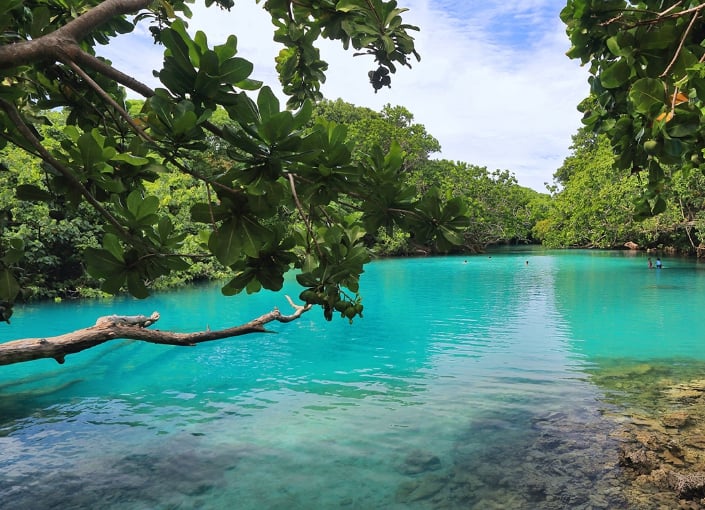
592, 205
647, 63
111, 154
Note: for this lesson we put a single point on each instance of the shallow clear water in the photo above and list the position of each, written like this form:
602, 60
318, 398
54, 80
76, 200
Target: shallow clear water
458, 373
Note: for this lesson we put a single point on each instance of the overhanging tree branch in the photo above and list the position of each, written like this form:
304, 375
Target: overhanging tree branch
131, 328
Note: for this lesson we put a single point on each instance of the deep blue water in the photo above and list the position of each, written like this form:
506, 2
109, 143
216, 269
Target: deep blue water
457, 360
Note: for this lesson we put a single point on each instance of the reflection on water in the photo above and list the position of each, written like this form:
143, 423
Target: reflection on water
481, 382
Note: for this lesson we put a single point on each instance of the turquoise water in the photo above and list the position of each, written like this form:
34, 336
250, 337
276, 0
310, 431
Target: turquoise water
467, 379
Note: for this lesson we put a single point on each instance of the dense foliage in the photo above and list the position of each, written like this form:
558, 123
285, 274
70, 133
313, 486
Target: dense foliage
593, 204
501, 210
647, 62
113, 158
52, 265
208, 176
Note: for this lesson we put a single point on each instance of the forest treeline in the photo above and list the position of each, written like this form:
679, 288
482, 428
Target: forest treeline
588, 205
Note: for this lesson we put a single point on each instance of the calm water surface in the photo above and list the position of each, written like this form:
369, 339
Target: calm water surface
456, 376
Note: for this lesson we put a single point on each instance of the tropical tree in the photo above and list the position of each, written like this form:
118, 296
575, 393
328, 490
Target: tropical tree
368, 129
593, 206
110, 153
502, 211
647, 65
592, 203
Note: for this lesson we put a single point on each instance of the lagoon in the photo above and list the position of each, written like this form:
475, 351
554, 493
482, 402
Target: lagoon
493, 381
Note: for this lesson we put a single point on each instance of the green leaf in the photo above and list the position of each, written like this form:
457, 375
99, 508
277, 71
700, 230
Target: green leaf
41, 17
303, 115
184, 123
454, 208
201, 42
111, 243
613, 45
684, 123
253, 236
238, 282
142, 208
647, 95
91, 147
110, 184
161, 108
649, 39
226, 243
178, 49
235, 70
17, 243
165, 228
208, 213
226, 50
130, 159
113, 284
136, 286
659, 206
271, 278
278, 127
267, 103
452, 236
615, 75
349, 5
243, 110
307, 279
177, 263
12, 256
101, 263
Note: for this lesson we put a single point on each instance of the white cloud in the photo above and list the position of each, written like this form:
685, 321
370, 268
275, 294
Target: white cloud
494, 85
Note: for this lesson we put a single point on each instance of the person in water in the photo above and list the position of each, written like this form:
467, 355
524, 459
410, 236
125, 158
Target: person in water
659, 264
651, 264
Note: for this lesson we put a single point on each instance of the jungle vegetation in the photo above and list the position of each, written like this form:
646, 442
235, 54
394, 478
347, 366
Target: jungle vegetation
54, 238
210, 129
208, 176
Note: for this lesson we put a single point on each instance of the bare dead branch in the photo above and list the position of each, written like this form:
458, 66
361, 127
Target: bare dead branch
131, 328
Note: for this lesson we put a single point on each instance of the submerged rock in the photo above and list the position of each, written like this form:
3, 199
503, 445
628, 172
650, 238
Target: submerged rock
662, 444
638, 458
677, 419
419, 462
420, 489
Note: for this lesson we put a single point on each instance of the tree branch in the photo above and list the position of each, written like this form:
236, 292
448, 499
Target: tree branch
46, 156
131, 328
682, 41
304, 217
52, 45
108, 99
87, 60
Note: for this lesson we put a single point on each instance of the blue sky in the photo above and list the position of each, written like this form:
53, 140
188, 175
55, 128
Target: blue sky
493, 86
